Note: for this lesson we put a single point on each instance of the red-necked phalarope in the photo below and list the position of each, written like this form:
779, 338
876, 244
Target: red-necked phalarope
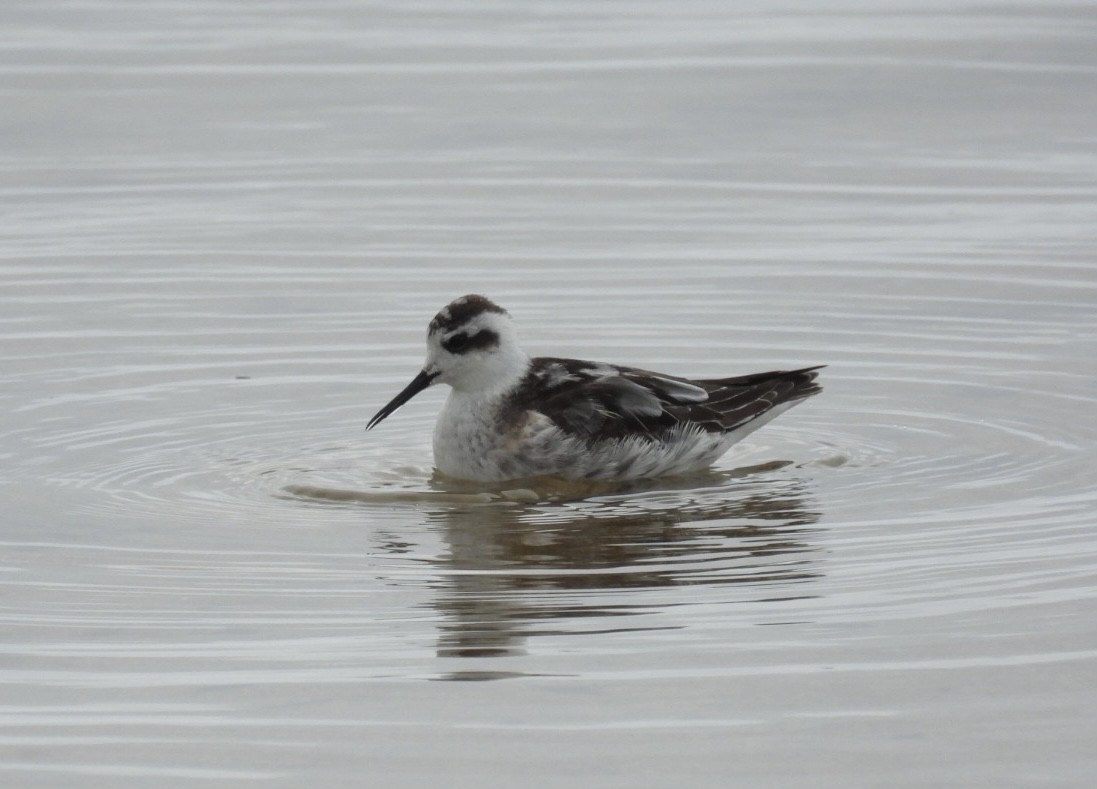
509, 416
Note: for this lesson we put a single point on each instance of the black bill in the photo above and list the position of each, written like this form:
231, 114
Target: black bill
418, 384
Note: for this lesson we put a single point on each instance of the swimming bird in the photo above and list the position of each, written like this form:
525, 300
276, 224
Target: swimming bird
509, 416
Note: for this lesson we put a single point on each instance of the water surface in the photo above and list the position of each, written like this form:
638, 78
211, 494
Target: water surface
224, 232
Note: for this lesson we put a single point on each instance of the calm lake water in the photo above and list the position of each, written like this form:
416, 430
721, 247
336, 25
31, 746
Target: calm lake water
223, 229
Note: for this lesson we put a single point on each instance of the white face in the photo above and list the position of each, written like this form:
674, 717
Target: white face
472, 346
478, 354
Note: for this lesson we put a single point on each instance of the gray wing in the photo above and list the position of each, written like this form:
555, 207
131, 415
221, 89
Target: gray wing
598, 401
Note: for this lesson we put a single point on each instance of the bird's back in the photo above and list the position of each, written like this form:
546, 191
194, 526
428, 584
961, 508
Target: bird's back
600, 402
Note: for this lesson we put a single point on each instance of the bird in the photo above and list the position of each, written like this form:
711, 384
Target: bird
509, 416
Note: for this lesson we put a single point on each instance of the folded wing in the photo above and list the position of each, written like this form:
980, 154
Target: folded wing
598, 402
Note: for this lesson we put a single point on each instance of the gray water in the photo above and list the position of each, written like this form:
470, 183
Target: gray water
223, 229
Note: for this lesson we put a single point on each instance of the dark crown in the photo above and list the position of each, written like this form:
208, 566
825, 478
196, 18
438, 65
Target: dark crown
460, 311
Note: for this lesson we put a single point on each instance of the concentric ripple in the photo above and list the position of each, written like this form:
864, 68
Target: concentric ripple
215, 408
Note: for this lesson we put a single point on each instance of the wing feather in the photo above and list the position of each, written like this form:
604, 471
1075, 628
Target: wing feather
597, 401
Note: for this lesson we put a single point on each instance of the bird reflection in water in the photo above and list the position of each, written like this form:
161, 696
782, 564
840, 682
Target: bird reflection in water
575, 555
515, 572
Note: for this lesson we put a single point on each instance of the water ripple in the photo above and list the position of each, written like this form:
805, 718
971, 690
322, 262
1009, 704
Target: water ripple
208, 414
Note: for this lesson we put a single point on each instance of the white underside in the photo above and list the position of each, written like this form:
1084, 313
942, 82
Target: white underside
472, 441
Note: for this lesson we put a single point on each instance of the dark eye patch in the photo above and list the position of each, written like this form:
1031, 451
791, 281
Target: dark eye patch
456, 343
463, 343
